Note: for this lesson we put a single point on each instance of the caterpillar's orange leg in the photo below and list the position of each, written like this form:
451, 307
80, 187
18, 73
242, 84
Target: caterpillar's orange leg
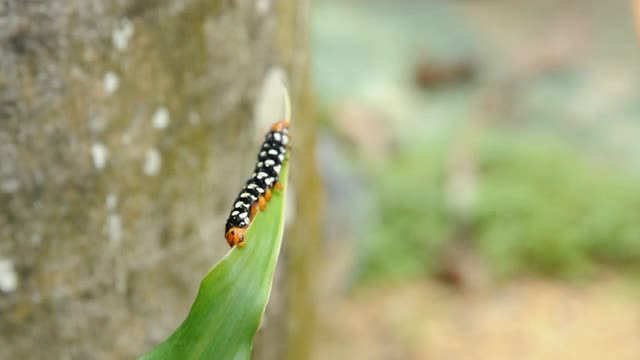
267, 195
279, 186
240, 238
235, 236
262, 203
254, 211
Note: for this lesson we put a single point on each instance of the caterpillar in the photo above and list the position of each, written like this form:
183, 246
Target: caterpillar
257, 190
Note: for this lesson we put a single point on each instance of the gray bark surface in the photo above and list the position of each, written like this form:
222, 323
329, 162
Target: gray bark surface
125, 133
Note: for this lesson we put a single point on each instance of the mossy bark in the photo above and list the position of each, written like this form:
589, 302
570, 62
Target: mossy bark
291, 312
125, 132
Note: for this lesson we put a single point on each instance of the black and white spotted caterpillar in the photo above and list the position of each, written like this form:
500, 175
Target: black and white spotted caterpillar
257, 191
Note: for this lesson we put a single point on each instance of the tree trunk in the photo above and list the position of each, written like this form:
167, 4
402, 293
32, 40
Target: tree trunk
125, 133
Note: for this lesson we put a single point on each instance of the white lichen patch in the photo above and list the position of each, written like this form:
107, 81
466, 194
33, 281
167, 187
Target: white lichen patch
113, 229
112, 201
126, 138
160, 118
263, 6
100, 155
152, 162
122, 34
289, 208
111, 82
8, 276
9, 185
36, 298
97, 123
36, 239
273, 102
194, 118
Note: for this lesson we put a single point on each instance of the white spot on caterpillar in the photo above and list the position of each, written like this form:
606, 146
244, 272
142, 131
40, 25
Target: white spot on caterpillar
243, 215
122, 34
100, 155
252, 186
277, 168
8, 276
281, 157
152, 162
160, 118
277, 136
235, 213
239, 204
264, 153
111, 82
244, 195
273, 152
269, 162
285, 139
259, 164
262, 175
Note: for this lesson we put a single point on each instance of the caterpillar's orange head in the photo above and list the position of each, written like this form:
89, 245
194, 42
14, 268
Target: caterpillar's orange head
280, 125
235, 236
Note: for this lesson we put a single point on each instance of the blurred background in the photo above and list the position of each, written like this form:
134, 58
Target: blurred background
481, 160
464, 180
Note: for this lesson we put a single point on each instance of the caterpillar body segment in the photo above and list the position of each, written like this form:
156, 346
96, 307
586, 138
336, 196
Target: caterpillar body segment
257, 191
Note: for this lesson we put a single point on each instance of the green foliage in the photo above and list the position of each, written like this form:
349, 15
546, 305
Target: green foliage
540, 208
232, 297
543, 209
411, 223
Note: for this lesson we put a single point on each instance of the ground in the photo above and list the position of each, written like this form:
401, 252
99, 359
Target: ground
530, 320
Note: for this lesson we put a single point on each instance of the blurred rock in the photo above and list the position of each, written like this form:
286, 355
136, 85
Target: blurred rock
430, 74
462, 267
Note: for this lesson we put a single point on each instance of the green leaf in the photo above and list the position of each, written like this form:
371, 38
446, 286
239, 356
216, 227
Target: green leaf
232, 298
